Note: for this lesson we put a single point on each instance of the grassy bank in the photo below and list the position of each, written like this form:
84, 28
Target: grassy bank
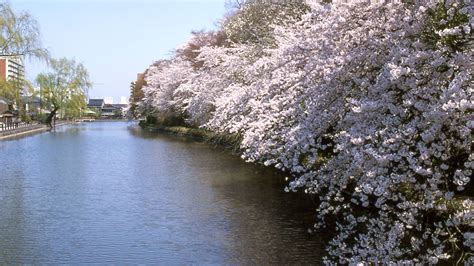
231, 141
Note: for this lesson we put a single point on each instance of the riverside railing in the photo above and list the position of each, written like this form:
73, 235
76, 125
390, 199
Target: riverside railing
15, 125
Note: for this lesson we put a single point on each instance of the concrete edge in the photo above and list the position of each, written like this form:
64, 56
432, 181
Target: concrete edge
27, 132
24, 133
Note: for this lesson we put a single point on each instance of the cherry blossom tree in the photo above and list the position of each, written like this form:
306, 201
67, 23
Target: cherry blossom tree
368, 106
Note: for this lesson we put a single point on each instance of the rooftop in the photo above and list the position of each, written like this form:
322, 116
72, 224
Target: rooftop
96, 102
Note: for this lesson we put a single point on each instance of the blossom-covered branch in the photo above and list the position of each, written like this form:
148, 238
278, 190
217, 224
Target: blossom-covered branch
369, 106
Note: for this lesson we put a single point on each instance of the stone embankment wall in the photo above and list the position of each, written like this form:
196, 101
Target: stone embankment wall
22, 131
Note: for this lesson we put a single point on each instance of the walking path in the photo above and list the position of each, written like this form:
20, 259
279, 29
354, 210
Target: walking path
26, 130
22, 131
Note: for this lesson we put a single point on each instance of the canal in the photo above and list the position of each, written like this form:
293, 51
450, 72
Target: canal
109, 192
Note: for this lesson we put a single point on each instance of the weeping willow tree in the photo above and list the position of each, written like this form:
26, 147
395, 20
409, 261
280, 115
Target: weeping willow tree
64, 89
20, 34
19, 38
11, 89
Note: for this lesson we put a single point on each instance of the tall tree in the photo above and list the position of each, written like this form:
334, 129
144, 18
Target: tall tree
192, 49
19, 38
136, 93
370, 107
65, 88
19, 34
12, 90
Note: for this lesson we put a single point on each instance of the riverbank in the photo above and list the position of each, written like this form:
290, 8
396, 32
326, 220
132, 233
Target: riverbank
225, 140
121, 194
27, 131
22, 132
458, 204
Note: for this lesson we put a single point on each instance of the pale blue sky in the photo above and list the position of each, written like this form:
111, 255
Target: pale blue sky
116, 39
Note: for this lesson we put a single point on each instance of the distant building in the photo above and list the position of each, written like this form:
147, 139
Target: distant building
97, 104
113, 110
11, 68
6, 107
32, 105
106, 110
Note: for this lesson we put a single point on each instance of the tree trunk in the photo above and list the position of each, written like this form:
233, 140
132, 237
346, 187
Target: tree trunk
50, 117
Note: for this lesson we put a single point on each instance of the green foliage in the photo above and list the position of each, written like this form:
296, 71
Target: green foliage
25, 117
19, 37
65, 87
11, 89
151, 120
136, 95
166, 121
41, 117
19, 34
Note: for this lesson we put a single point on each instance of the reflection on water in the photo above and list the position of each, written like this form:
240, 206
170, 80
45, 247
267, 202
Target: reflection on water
109, 192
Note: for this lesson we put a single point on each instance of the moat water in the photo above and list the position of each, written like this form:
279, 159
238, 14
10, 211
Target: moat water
108, 192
